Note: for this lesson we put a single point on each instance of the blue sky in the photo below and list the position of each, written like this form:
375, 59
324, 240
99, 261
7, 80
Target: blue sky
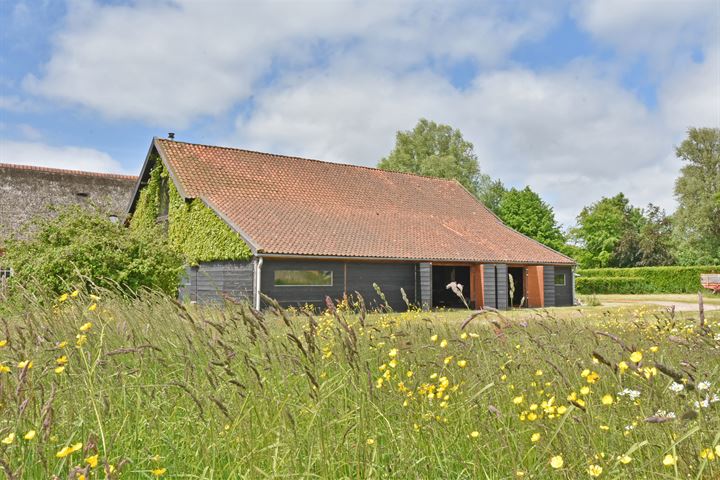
576, 99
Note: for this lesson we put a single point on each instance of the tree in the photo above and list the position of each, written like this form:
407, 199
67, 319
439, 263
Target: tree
697, 190
608, 231
656, 238
81, 248
524, 211
435, 150
490, 192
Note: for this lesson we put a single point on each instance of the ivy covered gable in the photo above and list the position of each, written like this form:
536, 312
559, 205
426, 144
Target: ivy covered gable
193, 229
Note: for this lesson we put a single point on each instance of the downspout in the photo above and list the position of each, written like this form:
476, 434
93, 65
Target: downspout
258, 271
572, 276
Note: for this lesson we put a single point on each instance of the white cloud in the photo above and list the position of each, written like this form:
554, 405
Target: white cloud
72, 158
653, 27
172, 62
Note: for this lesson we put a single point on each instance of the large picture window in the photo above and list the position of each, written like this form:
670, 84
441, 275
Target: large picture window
560, 280
303, 278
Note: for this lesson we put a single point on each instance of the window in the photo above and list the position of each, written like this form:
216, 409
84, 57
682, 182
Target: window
560, 280
5, 272
306, 278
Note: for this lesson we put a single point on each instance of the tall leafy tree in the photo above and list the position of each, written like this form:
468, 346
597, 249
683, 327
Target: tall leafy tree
656, 243
490, 192
437, 150
524, 211
697, 190
608, 231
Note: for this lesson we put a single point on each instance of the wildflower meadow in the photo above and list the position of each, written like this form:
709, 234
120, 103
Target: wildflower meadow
106, 387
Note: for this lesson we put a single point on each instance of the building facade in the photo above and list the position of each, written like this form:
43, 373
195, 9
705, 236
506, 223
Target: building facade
306, 230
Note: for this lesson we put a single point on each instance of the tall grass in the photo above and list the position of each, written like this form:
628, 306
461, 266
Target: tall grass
156, 388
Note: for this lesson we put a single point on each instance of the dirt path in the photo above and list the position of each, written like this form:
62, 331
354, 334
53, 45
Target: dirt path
679, 306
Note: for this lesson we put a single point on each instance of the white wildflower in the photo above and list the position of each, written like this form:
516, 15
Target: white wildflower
631, 394
677, 387
703, 385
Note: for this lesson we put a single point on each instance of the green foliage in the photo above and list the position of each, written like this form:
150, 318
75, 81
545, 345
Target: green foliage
613, 233
219, 393
619, 285
697, 190
524, 211
194, 230
436, 150
80, 248
652, 279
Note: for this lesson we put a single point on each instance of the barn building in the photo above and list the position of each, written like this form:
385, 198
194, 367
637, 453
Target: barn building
298, 230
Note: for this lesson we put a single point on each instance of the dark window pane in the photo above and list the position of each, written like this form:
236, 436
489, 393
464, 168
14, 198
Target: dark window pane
287, 278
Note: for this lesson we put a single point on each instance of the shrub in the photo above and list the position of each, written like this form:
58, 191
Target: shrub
655, 279
82, 248
600, 285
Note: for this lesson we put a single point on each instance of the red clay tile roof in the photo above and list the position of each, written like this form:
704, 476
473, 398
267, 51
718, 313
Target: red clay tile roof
296, 206
68, 172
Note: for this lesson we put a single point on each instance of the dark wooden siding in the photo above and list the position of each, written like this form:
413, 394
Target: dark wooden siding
495, 298
209, 281
347, 276
564, 294
549, 285
425, 294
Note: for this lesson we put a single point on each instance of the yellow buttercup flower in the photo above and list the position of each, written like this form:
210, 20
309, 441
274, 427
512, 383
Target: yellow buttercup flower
623, 366
62, 344
443, 343
86, 326
63, 297
625, 459
607, 400
9, 439
393, 353
92, 307
707, 453
592, 377
29, 435
75, 293
475, 434
584, 390
636, 357
517, 400
595, 470
25, 363
65, 451
535, 437
557, 461
60, 369
4, 368
669, 460
434, 338
81, 340
3, 343
158, 472
370, 441
654, 348
61, 360
448, 360
462, 363
92, 461
463, 336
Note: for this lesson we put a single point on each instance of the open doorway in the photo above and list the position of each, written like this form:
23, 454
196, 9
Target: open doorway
444, 274
518, 295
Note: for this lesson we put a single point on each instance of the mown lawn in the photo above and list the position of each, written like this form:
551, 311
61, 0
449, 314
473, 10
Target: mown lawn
144, 388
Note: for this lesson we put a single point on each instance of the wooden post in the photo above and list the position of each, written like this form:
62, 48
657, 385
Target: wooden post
702, 308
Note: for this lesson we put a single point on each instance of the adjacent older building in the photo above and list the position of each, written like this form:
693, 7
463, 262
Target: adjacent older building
27, 192
298, 230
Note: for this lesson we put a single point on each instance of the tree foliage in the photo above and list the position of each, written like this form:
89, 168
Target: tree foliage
82, 248
437, 150
697, 190
524, 211
614, 233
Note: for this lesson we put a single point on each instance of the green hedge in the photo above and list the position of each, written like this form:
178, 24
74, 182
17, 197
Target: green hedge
653, 279
599, 285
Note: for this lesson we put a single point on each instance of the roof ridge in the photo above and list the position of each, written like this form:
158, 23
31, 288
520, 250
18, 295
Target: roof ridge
37, 168
280, 155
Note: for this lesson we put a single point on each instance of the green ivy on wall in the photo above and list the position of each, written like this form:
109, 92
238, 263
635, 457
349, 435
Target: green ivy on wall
194, 229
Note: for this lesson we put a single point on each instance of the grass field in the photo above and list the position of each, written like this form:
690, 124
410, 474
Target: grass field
708, 298
139, 389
